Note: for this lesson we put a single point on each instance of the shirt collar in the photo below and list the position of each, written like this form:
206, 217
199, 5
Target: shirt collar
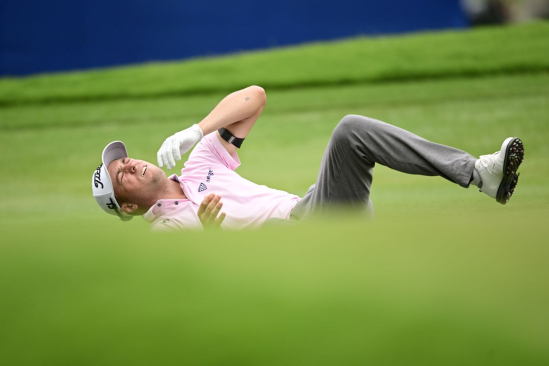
153, 212
159, 207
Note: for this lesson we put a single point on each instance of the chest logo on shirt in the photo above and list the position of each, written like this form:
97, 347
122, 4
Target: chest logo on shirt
210, 173
202, 187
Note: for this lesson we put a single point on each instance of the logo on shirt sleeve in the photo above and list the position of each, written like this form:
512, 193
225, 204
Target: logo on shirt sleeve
202, 187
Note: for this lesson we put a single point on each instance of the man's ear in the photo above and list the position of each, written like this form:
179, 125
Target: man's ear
128, 208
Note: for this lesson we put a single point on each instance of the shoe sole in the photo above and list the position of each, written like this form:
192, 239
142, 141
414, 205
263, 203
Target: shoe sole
514, 155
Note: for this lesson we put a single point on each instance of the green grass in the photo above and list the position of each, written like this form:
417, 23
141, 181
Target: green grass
292, 296
444, 276
519, 49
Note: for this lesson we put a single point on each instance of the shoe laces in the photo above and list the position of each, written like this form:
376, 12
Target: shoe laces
488, 160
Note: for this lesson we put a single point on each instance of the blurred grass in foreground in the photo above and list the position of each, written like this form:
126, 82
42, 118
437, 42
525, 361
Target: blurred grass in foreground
415, 291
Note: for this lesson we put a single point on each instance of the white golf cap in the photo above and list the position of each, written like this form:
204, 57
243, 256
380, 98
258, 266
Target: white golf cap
101, 181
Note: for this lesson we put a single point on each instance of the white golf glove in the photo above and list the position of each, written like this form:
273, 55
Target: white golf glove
177, 145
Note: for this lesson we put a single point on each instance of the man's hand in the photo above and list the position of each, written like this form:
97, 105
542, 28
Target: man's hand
209, 209
177, 145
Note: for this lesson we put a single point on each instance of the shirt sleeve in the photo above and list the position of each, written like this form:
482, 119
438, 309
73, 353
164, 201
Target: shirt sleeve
210, 149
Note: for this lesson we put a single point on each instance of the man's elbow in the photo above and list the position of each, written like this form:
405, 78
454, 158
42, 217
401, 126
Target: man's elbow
259, 93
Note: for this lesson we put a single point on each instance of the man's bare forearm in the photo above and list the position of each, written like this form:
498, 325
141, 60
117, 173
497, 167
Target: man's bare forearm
235, 107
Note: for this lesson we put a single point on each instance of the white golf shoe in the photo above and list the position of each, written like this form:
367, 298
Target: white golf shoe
498, 172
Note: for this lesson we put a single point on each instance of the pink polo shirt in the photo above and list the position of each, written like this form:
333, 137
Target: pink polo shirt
210, 169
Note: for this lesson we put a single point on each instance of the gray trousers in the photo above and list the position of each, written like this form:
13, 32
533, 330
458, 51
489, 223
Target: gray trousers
356, 145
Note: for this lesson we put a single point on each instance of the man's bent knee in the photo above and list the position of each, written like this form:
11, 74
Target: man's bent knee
350, 126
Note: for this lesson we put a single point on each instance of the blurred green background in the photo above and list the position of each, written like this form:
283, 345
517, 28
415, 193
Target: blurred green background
443, 276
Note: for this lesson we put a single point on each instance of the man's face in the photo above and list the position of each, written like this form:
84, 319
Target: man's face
135, 181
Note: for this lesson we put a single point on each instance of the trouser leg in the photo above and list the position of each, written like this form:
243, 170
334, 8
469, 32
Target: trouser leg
357, 144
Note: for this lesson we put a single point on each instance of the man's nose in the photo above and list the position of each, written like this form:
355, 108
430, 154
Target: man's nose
132, 166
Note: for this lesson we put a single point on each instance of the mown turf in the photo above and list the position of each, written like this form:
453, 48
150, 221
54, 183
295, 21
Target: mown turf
518, 49
319, 294
444, 276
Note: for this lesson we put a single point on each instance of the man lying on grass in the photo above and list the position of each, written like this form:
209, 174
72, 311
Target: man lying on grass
209, 192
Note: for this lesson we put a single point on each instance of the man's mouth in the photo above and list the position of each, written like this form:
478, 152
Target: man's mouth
143, 171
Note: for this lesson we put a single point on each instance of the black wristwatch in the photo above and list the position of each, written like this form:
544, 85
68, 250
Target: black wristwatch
230, 138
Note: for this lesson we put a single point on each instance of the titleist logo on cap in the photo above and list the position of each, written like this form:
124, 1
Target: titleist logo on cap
97, 177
